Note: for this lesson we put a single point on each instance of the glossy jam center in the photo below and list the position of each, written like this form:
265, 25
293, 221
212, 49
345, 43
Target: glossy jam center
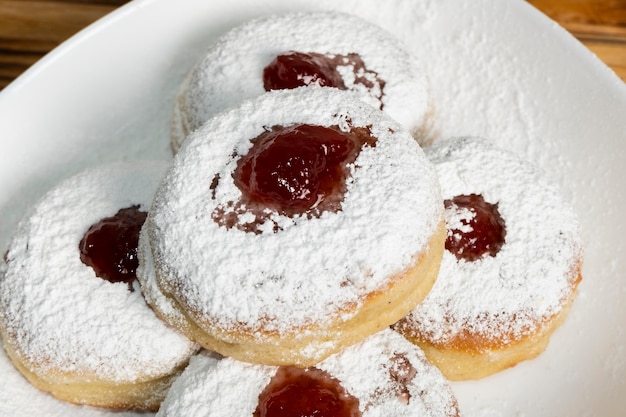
298, 69
475, 227
295, 392
110, 245
298, 168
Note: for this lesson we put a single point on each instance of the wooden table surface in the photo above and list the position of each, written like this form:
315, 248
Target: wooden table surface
29, 29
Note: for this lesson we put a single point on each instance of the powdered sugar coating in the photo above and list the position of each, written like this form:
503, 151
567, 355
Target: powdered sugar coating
146, 275
53, 308
505, 297
226, 387
232, 68
314, 270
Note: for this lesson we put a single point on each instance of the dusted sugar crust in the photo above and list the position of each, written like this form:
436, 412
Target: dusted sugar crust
232, 69
486, 315
369, 371
303, 345
82, 338
314, 274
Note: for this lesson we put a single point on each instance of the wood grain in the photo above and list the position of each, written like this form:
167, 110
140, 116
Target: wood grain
30, 29
599, 24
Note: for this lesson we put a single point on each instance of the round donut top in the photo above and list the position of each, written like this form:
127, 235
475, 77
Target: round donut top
232, 69
387, 374
508, 295
312, 269
57, 313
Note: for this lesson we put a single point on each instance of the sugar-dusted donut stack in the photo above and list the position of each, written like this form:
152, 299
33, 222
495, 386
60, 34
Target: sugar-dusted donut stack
329, 49
299, 224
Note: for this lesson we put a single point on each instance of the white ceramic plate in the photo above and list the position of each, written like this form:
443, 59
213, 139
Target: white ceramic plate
498, 69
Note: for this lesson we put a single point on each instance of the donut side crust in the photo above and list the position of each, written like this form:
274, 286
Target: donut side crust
468, 356
80, 389
307, 346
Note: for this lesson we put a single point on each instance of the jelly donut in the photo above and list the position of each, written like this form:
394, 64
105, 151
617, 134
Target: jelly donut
511, 266
71, 320
298, 49
294, 225
400, 382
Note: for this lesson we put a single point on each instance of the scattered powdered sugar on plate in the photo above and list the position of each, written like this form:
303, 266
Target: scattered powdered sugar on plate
61, 317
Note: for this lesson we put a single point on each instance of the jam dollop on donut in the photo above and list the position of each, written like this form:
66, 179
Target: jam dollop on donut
115, 353
293, 170
285, 200
475, 227
298, 392
511, 268
383, 376
298, 69
110, 245
322, 49
401, 373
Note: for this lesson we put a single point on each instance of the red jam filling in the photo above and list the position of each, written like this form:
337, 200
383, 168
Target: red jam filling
298, 69
293, 170
401, 373
482, 231
110, 245
296, 392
